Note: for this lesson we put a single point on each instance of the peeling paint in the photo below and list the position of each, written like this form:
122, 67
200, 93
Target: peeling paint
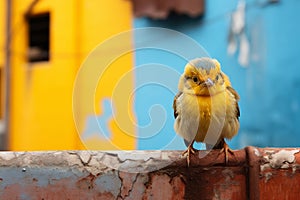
127, 180
216, 194
139, 187
85, 157
138, 161
256, 152
228, 174
282, 159
108, 183
139, 155
7, 156
228, 186
268, 176
173, 188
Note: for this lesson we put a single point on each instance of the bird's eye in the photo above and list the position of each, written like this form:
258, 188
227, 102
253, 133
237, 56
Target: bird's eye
195, 79
217, 77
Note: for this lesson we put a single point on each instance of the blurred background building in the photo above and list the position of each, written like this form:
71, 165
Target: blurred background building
48, 40
45, 42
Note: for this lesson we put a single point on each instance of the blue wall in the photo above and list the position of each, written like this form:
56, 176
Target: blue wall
269, 87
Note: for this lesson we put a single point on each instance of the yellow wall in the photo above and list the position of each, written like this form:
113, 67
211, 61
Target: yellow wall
2, 52
112, 17
2, 26
41, 111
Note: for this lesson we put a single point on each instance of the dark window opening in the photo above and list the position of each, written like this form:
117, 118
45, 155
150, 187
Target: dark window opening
38, 36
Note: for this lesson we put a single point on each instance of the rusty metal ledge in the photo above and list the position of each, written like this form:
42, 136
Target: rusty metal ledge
252, 173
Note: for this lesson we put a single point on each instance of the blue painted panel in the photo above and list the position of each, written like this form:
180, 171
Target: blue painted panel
269, 87
159, 61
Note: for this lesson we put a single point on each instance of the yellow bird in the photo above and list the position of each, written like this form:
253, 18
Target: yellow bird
206, 106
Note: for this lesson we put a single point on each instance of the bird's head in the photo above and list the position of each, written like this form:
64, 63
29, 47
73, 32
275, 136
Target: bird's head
203, 77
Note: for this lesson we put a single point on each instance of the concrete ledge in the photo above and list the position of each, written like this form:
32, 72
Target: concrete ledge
252, 173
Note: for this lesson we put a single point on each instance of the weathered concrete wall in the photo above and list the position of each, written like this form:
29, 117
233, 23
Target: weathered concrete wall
251, 174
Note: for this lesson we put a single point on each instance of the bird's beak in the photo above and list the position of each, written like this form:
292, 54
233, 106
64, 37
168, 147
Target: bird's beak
209, 82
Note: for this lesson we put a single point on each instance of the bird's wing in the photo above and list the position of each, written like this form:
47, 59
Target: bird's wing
174, 104
237, 98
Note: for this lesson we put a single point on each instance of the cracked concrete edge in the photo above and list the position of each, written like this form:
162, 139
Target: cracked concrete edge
92, 161
139, 161
142, 161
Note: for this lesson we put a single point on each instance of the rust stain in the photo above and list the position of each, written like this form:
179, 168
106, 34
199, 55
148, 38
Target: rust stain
279, 186
139, 187
127, 180
297, 158
268, 176
253, 167
178, 188
62, 189
215, 183
210, 178
161, 186
231, 186
87, 182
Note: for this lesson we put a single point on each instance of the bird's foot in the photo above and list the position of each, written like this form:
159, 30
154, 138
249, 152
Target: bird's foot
226, 150
188, 152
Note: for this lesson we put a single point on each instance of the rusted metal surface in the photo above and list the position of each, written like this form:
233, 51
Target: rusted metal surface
280, 174
252, 173
254, 158
209, 177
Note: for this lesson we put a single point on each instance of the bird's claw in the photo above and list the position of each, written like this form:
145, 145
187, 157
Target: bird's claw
226, 150
190, 150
